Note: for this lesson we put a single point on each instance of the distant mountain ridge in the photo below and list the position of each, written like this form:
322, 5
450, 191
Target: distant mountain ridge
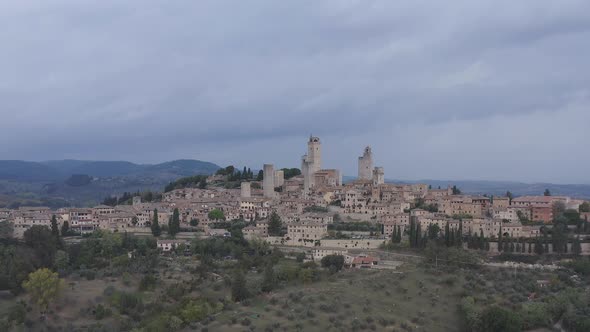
58, 183
57, 170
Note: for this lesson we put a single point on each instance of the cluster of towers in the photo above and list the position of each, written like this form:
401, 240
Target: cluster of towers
270, 180
311, 165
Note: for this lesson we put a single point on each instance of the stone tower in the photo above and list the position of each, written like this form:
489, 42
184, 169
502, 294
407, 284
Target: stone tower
245, 190
314, 153
378, 176
311, 162
268, 181
366, 165
279, 178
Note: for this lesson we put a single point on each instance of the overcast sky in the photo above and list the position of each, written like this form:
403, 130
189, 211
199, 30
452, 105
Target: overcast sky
489, 90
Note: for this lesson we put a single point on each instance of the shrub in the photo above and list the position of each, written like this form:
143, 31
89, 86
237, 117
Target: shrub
148, 282
101, 312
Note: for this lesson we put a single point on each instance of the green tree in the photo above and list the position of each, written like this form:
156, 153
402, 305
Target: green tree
43, 286
44, 244
510, 197
333, 262
547, 193
418, 240
260, 175
156, 230
65, 228
433, 231
412, 235
174, 223
497, 319
456, 191
54, 227
239, 291
447, 235
584, 207
275, 225
6, 230
62, 260
577, 246
539, 250
269, 280
216, 214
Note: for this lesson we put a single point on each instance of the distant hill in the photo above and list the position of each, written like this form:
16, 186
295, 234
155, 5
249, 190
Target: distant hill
62, 169
500, 187
19, 170
81, 183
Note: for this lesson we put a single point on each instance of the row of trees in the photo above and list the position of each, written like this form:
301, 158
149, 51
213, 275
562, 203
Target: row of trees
234, 174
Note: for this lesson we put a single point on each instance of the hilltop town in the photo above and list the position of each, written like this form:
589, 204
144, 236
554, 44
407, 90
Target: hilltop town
313, 204
239, 250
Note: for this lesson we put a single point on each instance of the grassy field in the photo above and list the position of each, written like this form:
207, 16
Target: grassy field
352, 300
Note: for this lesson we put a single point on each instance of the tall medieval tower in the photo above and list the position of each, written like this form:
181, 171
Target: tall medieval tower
366, 165
311, 162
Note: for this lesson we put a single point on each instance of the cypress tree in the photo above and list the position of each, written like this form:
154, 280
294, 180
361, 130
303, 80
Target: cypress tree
577, 246
394, 235
522, 248
156, 230
500, 239
539, 247
399, 234
460, 233
447, 235
54, 228
481, 240
418, 236
530, 249
412, 234
65, 228
174, 223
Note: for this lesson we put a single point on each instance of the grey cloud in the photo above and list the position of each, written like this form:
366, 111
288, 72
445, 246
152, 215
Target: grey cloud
153, 80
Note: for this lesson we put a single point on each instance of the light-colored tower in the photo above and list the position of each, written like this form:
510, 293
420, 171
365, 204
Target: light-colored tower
268, 181
245, 190
279, 178
378, 176
366, 165
314, 153
311, 162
